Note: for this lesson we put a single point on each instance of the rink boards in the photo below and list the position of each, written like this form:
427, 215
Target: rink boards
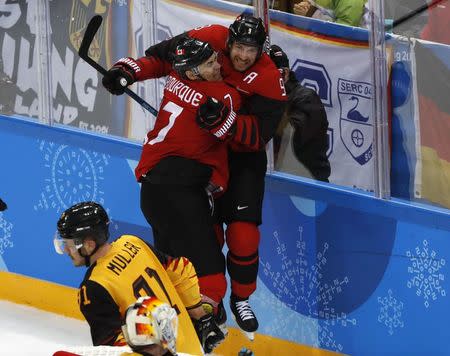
62, 300
339, 269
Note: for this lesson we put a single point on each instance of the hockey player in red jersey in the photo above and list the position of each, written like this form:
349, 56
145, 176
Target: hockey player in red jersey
180, 130
184, 154
249, 69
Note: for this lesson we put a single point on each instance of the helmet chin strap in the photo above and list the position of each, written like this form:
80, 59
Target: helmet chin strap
87, 258
197, 73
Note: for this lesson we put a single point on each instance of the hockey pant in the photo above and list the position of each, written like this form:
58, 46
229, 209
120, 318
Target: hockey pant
182, 225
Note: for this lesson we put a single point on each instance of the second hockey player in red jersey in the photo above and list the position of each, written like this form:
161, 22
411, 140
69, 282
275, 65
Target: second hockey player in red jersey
249, 69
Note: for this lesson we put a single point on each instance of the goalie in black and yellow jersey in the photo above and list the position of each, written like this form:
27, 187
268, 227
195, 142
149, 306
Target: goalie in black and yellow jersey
124, 270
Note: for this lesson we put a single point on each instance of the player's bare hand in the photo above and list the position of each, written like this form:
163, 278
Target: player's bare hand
302, 8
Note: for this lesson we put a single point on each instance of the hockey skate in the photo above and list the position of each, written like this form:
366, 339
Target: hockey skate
244, 316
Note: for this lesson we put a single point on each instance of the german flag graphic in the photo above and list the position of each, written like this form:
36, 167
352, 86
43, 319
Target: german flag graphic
432, 178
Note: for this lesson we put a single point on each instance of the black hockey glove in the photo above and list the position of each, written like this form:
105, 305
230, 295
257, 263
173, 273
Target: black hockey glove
245, 352
215, 117
3, 205
122, 74
208, 332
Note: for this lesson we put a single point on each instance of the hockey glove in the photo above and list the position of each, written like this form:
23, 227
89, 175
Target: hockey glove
208, 332
3, 205
215, 117
121, 75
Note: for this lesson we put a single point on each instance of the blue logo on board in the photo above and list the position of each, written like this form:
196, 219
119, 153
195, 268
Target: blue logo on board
356, 128
315, 76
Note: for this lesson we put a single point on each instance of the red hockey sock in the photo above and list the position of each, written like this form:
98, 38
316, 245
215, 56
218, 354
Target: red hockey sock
243, 259
213, 286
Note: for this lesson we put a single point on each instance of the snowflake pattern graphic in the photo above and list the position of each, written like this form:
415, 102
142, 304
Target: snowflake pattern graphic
286, 325
301, 283
390, 312
74, 175
5, 234
426, 273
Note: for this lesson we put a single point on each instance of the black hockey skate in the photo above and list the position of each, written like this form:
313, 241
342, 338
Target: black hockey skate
244, 316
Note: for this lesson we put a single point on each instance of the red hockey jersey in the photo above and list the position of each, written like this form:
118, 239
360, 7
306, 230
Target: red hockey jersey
261, 86
176, 132
258, 79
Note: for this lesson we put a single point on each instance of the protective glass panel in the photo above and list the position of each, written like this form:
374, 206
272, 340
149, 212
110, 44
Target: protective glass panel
330, 139
420, 110
43, 78
39, 47
330, 61
19, 60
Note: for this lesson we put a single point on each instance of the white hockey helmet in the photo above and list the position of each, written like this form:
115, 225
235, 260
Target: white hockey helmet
150, 321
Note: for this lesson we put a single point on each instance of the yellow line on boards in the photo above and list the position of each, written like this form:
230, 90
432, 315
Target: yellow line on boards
40, 294
59, 299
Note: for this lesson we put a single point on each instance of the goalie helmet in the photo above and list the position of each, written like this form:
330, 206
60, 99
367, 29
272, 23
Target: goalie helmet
189, 54
248, 30
150, 321
82, 220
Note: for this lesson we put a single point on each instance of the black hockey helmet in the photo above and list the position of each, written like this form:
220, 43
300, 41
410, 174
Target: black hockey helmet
189, 54
82, 220
247, 29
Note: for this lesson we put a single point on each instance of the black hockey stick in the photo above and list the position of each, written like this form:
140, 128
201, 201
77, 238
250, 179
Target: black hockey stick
416, 12
83, 52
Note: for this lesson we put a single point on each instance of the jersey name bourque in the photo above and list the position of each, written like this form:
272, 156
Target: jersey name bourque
183, 91
120, 261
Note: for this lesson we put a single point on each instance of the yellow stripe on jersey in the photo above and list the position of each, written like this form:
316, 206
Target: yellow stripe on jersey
130, 270
184, 278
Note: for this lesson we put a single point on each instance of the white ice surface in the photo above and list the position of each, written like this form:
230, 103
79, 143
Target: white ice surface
27, 331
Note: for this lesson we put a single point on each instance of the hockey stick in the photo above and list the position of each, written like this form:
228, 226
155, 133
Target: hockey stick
83, 52
415, 12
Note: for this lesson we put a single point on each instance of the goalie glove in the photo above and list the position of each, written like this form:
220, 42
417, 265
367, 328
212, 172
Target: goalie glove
216, 118
121, 75
208, 332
